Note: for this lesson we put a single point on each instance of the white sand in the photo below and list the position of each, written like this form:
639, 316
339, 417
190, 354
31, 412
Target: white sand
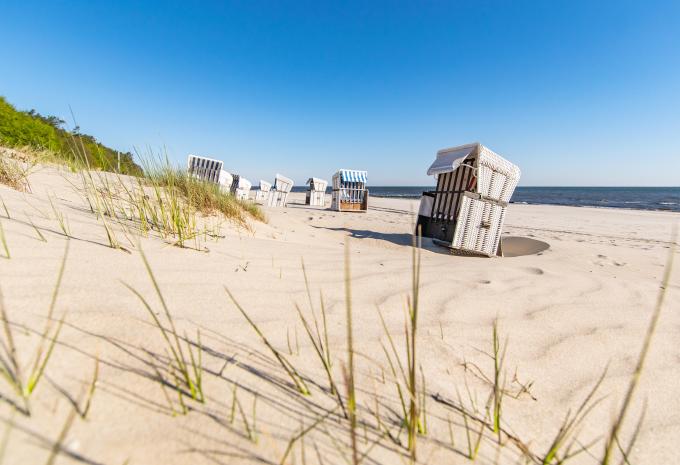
567, 312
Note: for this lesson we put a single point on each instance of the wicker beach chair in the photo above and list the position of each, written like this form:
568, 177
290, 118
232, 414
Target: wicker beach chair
349, 191
262, 194
204, 168
209, 170
278, 195
316, 194
467, 209
240, 187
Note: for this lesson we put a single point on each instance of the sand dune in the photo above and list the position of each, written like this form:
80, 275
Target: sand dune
568, 311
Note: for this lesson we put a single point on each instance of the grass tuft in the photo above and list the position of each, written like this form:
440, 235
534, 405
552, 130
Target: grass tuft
190, 373
293, 374
10, 368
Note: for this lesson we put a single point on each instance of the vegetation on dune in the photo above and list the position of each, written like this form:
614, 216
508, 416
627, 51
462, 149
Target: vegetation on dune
31, 129
14, 174
206, 197
164, 197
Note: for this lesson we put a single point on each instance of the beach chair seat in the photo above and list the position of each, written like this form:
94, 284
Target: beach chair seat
467, 210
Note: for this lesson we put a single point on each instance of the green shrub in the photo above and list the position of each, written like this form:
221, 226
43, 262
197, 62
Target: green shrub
29, 128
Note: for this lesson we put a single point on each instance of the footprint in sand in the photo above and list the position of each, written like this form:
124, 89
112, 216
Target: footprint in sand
534, 271
604, 260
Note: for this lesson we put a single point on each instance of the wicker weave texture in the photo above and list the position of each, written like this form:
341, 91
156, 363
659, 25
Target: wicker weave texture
479, 226
497, 177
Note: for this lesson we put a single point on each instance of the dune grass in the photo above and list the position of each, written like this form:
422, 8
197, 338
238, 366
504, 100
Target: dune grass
319, 340
10, 365
165, 200
349, 368
3, 241
14, 174
207, 198
287, 366
188, 374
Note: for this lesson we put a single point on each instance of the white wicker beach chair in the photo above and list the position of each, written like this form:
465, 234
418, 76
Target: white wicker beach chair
210, 170
204, 168
316, 194
262, 194
240, 187
278, 195
467, 209
349, 191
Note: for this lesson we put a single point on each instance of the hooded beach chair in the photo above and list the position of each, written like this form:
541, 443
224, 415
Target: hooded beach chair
209, 170
349, 191
262, 194
467, 209
204, 168
316, 194
240, 187
278, 195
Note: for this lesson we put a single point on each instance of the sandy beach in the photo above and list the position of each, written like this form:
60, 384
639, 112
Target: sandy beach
567, 314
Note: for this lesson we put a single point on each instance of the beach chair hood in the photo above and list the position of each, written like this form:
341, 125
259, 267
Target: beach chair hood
283, 183
352, 175
317, 184
244, 184
497, 177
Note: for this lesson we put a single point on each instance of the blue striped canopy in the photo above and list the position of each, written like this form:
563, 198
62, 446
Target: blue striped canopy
353, 176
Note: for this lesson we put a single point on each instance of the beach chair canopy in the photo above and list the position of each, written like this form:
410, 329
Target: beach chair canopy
496, 176
317, 184
352, 175
243, 183
265, 186
283, 183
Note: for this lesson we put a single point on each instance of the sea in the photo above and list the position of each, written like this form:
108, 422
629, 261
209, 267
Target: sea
640, 198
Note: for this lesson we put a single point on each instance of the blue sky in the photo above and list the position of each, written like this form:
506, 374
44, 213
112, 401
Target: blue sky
575, 92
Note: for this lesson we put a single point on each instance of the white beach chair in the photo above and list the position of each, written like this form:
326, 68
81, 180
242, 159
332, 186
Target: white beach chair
209, 170
316, 194
467, 209
240, 187
349, 191
204, 168
262, 194
278, 195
